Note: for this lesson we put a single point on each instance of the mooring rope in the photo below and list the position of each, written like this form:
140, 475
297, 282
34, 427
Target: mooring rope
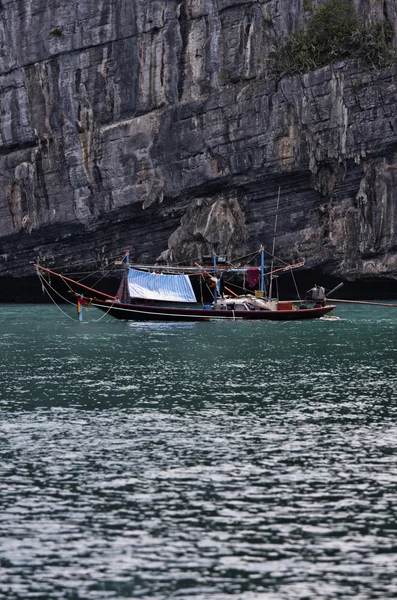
47, 283
106, 313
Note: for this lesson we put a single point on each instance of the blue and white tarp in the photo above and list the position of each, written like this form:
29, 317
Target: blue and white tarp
157, 286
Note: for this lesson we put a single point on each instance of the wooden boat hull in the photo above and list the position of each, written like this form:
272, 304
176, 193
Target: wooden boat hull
286, 311
139, 312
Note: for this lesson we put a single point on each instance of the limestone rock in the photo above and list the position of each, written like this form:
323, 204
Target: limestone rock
156, 125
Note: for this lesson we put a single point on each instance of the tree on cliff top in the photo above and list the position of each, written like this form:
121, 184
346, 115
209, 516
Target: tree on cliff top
335, 33
330, 30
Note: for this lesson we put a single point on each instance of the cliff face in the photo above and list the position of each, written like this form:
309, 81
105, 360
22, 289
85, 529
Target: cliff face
155, 125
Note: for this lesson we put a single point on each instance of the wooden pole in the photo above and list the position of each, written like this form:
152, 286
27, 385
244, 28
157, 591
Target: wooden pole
262, 286
274, 246
334, 289
215, 288
79, 310
73, 281
361, 302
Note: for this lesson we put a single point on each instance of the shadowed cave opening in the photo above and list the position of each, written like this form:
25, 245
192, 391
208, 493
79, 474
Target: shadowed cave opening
26, 290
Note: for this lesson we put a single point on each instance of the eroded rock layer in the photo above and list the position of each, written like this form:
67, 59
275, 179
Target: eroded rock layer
156, 125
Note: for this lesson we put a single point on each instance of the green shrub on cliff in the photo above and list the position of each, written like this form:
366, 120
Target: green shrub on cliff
335, 33
56, 32
329, 32
375, 44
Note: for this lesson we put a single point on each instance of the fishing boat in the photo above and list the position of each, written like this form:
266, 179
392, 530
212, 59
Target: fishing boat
165, 293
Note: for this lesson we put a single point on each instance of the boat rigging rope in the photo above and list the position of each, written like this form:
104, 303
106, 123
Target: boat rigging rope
86, 274
86, 262
103, 272
209, 289
176, 264
235, 265
110, 260
44, 284
100, 279
296, 287
252, 254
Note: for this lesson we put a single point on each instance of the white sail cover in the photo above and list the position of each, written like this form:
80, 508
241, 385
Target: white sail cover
157, 286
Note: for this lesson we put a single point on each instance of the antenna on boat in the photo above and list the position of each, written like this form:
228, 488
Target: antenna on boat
274, 244
127, 257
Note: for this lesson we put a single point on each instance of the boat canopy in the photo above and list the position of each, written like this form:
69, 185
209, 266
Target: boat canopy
158, 286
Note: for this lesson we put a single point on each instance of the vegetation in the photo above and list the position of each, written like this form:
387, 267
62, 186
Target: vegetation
335, 33
374, 44
56, 32
224, 77
357, 87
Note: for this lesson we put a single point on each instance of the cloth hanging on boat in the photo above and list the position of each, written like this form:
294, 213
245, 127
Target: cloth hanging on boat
252, 277
158, 286
123, 293
220, 286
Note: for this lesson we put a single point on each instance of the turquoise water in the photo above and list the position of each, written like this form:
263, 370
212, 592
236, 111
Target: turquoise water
213, 461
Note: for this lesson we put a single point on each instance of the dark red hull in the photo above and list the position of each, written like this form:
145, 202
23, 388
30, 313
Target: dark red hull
139, 312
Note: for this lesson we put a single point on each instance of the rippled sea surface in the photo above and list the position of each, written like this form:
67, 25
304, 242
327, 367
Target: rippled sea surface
210, 461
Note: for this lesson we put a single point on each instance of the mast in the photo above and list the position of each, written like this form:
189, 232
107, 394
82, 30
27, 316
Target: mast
215, 288
262, 284
274, 244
